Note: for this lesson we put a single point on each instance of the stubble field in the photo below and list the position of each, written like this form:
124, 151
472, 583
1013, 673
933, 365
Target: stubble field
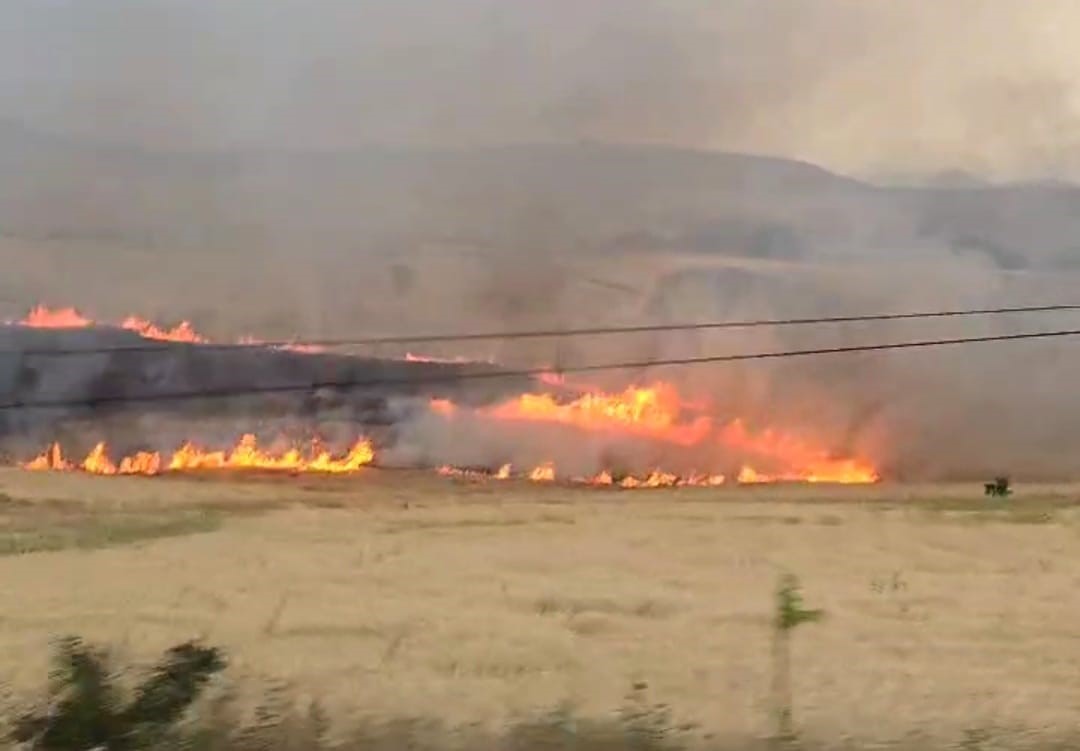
401, 594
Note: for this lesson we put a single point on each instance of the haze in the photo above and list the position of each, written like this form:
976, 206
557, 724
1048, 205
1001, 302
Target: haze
863, 87
342, 169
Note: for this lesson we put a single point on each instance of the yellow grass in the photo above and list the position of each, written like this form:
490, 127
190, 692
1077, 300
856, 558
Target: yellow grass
397, 593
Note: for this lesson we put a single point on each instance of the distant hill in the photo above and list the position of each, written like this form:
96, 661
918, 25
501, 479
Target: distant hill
586, 197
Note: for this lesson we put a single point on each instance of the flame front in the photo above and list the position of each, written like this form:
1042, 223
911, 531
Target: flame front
246, 455
659, 413
43, 317
652, 411
182, 332
655, 412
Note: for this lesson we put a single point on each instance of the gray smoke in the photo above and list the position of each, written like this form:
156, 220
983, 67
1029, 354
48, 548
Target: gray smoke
344, 169
858, 86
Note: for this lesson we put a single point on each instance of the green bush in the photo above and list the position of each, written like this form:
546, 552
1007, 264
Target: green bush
87, 708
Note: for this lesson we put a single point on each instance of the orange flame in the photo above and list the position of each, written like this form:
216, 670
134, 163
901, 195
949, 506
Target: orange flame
444, 407
245, 455
42, 317
652, 411
803, 461
183, 332
50, 459
544, 473
658, 412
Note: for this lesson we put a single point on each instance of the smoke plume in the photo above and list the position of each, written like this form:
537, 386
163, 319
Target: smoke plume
341, 169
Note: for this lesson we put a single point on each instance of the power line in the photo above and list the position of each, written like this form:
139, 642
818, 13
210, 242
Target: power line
164, 346
523, 373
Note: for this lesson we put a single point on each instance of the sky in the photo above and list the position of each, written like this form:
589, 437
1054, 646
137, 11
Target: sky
860, 86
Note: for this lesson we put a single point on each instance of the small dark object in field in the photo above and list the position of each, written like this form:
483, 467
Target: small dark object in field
999, 488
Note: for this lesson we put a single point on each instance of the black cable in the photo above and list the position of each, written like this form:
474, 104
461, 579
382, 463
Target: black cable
524, 373
163, 345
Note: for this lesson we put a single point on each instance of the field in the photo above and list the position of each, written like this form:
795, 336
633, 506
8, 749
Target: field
398, 594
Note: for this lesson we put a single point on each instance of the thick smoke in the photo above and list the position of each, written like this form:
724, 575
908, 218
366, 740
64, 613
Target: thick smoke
352, 168
873, 86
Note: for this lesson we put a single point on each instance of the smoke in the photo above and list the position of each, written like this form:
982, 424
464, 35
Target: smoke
339, 169
872, 86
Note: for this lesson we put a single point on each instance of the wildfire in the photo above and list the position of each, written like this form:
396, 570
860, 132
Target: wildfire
246, 455
653, 411
43, 317
457, 360
802, 461
182, 332
658, 412
444, 407
546, 473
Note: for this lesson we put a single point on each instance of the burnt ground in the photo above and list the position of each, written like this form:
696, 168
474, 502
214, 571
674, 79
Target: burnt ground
54, 383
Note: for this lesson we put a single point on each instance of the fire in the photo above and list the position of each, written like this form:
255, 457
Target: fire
42, 317
658, 412
182, 332
51, 459
657, 479
544, 473
141, 463
246, 455
803, 461
457, 360
444, 407
653, 411
97, 461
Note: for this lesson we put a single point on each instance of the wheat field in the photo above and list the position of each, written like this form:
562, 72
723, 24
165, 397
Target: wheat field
396, 594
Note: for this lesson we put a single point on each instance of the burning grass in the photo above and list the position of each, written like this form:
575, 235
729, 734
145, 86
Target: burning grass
643, 436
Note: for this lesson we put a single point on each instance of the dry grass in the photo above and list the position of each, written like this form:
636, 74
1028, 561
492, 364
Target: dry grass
396, 594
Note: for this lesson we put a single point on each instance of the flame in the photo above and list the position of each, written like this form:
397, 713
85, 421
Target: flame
657, 411
97, 461
42, 317
50, 459
653, 411
245, 455
310, 349
656, 479
803, 461
603, 478
183, 332
443, 407
544, 473
141, 463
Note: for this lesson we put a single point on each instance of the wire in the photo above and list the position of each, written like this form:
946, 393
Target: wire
162, 345
523, 373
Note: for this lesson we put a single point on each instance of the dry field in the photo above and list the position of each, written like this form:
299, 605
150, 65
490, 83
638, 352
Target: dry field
402, 594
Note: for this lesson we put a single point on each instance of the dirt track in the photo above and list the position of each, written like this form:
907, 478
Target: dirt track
404, 594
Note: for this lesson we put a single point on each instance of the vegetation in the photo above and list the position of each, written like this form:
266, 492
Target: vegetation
790, 613
87, 708
999, 488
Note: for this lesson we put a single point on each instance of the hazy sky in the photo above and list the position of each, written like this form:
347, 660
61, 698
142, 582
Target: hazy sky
858, 85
